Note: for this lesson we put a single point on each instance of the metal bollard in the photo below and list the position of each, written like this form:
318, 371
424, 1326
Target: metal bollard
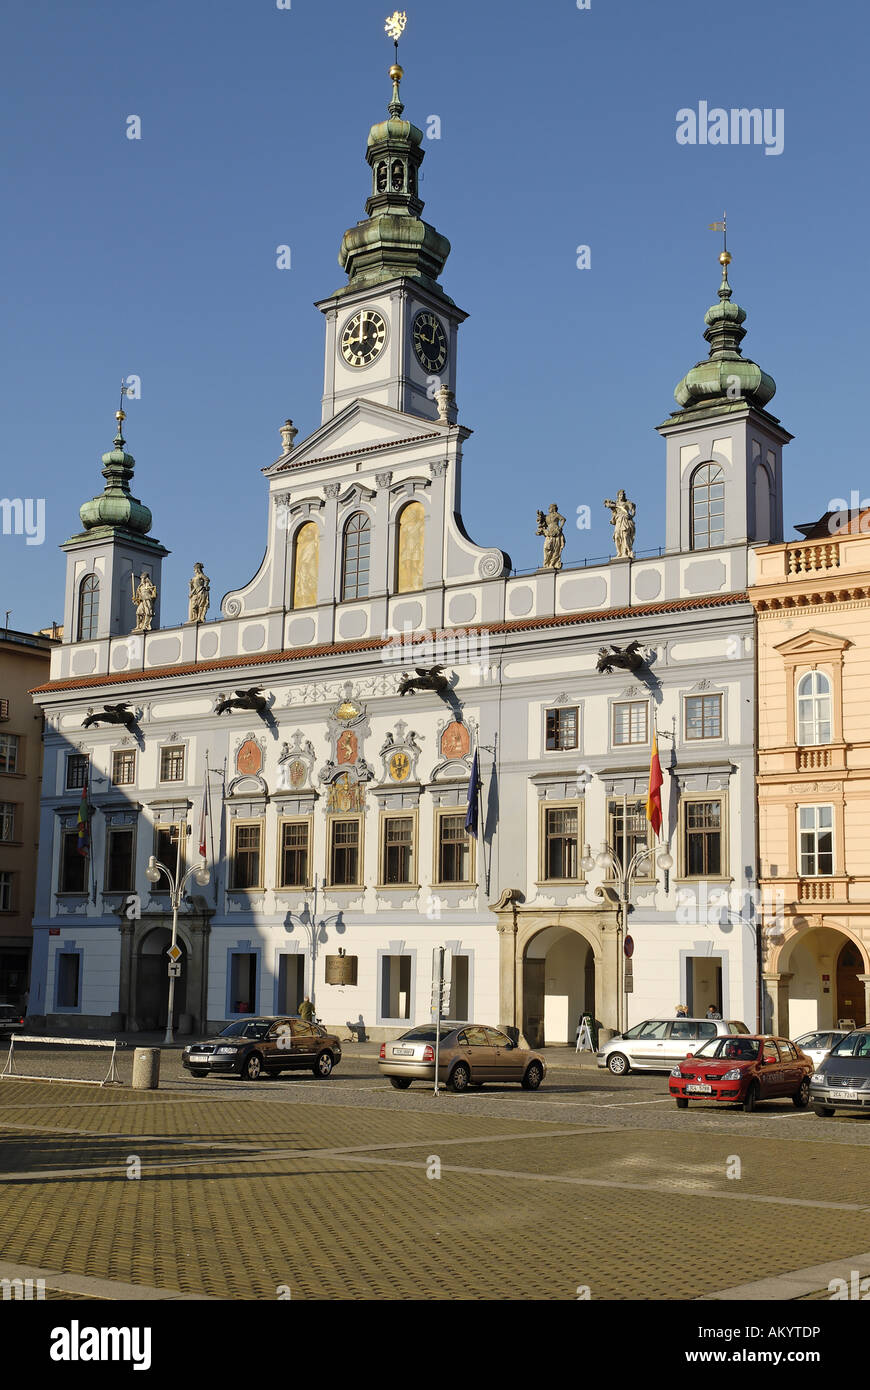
146, 1068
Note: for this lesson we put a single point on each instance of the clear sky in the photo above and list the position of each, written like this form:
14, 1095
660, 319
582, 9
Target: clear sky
157, 257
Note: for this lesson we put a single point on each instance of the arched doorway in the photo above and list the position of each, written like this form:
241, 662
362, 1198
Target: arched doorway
822, 967
152, 980
850, 990
558, 985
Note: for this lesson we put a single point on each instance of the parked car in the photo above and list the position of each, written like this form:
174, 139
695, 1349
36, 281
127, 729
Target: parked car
11, 1019
255, 1047
842, 1080
743, 1070
470, 1054
655, 1044
817, 1045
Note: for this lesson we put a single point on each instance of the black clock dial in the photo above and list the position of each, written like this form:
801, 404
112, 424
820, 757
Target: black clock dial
430, 342
363, 337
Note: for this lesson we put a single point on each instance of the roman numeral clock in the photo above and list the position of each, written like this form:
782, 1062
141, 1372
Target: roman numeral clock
363, 338
430, 342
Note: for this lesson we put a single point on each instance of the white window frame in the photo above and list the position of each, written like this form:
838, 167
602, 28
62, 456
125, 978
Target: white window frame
815, 830
815, 698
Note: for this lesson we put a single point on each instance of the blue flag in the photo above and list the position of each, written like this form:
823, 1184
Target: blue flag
471, 814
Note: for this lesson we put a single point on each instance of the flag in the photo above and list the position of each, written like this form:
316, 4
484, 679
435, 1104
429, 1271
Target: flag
84, 823
203, 818
654, 798
471, 814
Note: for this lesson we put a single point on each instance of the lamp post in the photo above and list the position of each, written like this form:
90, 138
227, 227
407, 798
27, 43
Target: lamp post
314, 930
624, 872
152, 873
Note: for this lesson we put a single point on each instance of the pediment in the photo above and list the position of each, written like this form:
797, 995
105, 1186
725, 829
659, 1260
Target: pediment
813, 643
362, 426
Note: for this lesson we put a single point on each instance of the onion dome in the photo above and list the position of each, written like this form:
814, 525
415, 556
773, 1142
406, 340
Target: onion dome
116, 507
726, 375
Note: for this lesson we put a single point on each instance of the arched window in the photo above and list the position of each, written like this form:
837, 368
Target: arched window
89, 608
814, 708
409, 548
306, 555
707, 501
357, 549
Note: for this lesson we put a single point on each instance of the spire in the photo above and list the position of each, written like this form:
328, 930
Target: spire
726, 378
116, 508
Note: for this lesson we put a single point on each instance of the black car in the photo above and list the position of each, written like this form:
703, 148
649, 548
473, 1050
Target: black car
254, 1047
11, 1019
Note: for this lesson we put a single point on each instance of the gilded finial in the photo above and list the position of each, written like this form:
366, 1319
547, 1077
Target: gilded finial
395, 25
121, 414
395, 28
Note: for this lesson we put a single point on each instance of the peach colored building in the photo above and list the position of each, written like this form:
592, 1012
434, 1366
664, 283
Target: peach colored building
812, 598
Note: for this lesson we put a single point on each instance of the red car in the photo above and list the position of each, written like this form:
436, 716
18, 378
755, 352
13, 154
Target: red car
742, 1070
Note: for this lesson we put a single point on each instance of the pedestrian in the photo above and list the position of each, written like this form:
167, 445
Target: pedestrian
682, 1011
713, 1012
306, 1009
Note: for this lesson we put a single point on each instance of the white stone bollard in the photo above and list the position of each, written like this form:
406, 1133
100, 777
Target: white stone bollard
146, 1068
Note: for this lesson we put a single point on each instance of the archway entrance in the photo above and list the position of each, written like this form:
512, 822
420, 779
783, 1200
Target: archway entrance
152, 981
850, 990
823, 965
558, 985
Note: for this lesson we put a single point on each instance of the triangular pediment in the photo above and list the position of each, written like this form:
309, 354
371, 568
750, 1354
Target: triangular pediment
362, 426
813, 643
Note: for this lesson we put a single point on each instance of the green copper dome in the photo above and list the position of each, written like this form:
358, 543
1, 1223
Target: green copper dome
726, 375
116, 506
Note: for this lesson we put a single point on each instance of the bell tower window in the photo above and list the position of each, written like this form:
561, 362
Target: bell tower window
707, 502
381, 177
89, 608
398, 176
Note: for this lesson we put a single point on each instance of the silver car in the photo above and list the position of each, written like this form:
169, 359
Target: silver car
842, 1080
469, 1055
817, 1045
657, 1043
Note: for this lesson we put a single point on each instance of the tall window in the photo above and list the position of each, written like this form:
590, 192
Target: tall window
9, 753
816, 830
73, 866
344, 857
561, 834
7, 820
703, 716
294, 854
168, 851
89, 608
119, 859
77, 765
630, 723
702, 838
68, 970
814, 708
246, 856
398, 849
306, 557
629, 830
357, 551
707, 501
454, 849
5, 891
561, 728
409, 548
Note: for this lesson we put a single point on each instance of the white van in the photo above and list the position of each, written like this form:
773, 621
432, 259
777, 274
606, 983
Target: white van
657, 1043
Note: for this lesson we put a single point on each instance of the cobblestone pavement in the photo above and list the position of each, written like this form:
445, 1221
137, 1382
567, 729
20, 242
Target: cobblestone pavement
329, 1188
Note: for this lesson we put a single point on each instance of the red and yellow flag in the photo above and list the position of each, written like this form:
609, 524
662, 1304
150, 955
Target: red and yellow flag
654, 798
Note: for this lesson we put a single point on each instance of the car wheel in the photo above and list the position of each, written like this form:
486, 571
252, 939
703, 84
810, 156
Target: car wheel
750, 1100
801, 1097
682, 1103
617, 1062
459, 1077
252, 1068
400, 1083
199, 1071
533, 1077
272, 1075
824, 1111
324, 1064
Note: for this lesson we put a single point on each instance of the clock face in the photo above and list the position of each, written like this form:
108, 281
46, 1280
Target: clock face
430, 342
363, 337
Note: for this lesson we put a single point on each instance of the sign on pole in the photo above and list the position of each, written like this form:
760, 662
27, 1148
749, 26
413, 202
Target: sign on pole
174, 969
174, 953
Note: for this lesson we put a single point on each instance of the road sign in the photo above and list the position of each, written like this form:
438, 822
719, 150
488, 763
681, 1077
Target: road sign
628, 978
174, 953
628, 947
174, 970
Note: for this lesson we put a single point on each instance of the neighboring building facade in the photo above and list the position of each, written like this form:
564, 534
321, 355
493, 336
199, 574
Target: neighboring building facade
24, 662
812, 597
342, 784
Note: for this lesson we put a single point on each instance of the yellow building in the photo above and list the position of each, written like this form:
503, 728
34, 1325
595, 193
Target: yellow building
812, 598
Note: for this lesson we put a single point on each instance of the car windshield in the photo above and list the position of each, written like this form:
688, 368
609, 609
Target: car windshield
245, 1028
854, 1045
730, 1049
424, 1034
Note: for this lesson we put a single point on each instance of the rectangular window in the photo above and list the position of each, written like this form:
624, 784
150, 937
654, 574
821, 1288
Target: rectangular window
702, 842
77, 765
68, 964
7, 820
167, 850
454, 849
124, 767
632, 814
561, 728
344, 856
9, 753
172, 764
294, 854
73, 866
119, 859
630, 723
561, 836
398, 849
4, 710
396, 987
243, 982
246, 856
816, 829
5, 892
703, 716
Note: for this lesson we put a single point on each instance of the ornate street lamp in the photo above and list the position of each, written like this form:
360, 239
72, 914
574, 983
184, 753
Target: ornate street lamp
152, 873
314, 930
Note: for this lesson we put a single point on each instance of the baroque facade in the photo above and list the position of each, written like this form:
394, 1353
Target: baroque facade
336, 837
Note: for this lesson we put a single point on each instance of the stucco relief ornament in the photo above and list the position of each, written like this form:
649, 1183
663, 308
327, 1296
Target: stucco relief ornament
399, 752
198, 589
296, 763
622, 514
550, 526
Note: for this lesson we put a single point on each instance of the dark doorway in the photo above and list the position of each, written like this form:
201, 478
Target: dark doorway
533, 1002
291, 983
152, 981
850, 990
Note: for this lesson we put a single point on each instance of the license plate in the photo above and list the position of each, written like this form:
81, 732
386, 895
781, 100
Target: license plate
700, 1090
403, 1051
844, 1095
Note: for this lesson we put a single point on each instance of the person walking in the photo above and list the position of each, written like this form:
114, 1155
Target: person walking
713, 1012
306, 1009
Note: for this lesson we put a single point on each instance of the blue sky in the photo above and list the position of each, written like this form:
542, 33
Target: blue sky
158, 256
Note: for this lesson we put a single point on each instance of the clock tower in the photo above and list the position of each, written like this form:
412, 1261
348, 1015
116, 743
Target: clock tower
391, 331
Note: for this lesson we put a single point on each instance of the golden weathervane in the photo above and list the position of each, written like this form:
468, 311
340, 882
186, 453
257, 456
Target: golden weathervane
395, 25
